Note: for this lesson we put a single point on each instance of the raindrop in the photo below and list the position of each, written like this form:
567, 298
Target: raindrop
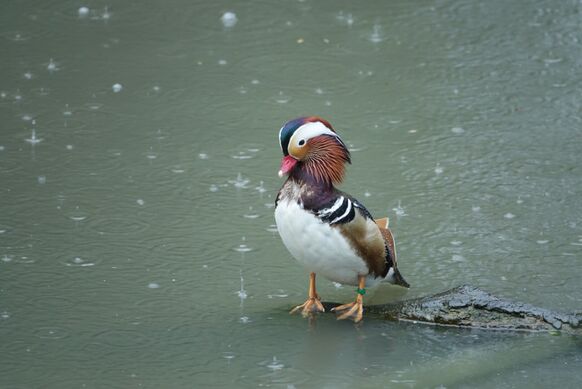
52, 66
399, 210
509, 215
376, 36
83, 12
458, 258
251, 214
243, 248
228, 19
153, 285
214, 188
275, 364
78, 261
244, 319
222, 62
33, 139
7, 258
41, 180
117, 88
457, 130
69, 147
106, 15
67, 111
282, 98
239, 182
28, 75
438, 169
203, 156
140, 201
228, 355
261, 188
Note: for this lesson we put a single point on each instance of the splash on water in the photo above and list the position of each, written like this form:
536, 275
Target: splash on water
229, 19
67, 111
345, 18
275, 364
261, 188
250, 214
282, 98
376, 36
117, 87
83, 12
399, 210
52, 66
33, 139
106, 15
239, 182
79, 262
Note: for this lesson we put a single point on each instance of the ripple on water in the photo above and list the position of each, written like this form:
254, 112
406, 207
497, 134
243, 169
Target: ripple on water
128, 338
70, 126
319, 67
118, 225
79, 262
52, 332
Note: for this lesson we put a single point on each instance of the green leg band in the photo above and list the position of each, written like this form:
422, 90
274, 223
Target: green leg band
361, 291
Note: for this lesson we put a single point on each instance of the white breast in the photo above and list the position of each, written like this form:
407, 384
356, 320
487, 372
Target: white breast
316, 245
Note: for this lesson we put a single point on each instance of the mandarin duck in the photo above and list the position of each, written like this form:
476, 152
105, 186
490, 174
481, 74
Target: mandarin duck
328, 231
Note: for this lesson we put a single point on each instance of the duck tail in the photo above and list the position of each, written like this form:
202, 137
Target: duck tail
397, 279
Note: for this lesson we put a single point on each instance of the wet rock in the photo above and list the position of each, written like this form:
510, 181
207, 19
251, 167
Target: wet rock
470, 307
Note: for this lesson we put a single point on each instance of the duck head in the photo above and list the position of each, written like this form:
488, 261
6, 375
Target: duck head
312, 150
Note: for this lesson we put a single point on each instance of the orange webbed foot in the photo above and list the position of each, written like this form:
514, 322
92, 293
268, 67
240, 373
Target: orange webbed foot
311, 305
353, 311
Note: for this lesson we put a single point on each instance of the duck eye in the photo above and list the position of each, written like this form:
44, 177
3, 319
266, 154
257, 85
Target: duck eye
301, 142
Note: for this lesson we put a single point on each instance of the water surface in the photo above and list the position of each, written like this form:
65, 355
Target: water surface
138, 160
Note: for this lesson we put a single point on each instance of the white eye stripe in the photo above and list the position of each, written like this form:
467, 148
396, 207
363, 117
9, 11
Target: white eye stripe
308, 131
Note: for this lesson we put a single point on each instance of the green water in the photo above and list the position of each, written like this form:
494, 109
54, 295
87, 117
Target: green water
137, 238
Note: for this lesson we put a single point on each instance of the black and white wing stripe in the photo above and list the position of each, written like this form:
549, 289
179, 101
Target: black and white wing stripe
342, 210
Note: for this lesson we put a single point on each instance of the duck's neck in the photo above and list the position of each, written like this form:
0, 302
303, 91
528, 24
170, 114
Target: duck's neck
318, 175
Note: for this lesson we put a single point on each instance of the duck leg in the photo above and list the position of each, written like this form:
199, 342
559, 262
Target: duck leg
355, 310
313, 303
